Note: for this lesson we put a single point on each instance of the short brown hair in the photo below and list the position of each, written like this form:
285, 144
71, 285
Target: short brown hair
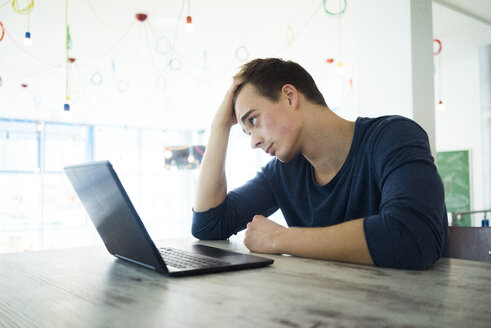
269, 75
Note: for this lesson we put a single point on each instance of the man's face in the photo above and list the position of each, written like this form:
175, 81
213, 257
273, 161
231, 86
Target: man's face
272, 126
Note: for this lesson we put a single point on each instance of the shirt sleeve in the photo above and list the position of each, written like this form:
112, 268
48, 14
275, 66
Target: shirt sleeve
408, 232
238, 208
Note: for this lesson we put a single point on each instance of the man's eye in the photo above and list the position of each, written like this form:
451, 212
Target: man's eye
252, 120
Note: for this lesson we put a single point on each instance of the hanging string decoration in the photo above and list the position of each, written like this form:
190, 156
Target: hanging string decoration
68, 39
68, 46
188, 26
141, 17
439, 43
340, 69
242, 54
175, 64
103, 23
37, 100
290, 36
122, 86
96, 79
27, 37
5, 3
440, 106
339, 13
24, 11
3, 31
163, 45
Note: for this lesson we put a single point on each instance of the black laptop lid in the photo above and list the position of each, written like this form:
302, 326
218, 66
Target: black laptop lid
112, 213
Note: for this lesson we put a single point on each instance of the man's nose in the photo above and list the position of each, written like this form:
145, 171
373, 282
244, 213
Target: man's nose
256, 141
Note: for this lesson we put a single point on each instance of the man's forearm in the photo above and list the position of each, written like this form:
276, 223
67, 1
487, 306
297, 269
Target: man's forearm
342, 242
212, 182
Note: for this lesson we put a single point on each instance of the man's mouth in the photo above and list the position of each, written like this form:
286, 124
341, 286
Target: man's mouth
268, 150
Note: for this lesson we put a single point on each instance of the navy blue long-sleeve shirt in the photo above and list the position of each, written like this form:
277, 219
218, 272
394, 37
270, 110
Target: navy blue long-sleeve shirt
388, 178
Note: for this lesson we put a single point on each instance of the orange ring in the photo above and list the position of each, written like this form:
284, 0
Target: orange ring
3, 31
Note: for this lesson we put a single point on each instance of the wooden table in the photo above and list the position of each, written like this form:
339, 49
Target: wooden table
87, 287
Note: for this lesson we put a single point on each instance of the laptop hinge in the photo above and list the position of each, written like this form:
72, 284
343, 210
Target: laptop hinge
134, 261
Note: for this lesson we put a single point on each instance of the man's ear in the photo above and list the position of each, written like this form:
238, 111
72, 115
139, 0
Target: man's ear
291, 93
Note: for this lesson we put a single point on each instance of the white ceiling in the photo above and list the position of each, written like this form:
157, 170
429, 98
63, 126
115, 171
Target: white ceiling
478, 9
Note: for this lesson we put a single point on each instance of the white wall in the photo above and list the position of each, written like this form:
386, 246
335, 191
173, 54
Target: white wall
459, 126
383, 58
394, 61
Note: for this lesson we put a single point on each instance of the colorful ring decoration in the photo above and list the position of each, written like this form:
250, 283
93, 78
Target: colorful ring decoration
37, 100
3, 31
175, 64
26, 10
122, 86
334, 14
290, 36
436, 53
242, 54
96, 79
163, 45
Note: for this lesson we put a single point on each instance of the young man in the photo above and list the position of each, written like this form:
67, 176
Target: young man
362, 192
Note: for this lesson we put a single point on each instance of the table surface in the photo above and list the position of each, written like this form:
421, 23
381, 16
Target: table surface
88, 287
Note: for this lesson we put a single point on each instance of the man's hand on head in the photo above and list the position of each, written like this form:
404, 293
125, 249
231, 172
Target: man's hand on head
225, 116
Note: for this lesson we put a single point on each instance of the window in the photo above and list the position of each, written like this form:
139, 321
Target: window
19, 146
39, 208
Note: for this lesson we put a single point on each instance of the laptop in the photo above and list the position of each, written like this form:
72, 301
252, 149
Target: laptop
122, 231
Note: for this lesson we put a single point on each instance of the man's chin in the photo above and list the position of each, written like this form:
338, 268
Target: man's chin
284, 159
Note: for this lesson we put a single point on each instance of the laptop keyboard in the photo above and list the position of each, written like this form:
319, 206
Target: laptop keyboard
182, 259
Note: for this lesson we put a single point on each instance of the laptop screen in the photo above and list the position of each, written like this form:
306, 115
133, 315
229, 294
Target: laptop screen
113, 214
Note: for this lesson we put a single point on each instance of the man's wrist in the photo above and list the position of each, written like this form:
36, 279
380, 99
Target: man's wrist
220, 126
278, 240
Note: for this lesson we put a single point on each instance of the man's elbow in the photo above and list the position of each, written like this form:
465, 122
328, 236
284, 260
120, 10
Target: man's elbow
410, 247
199, 233
207, 231
428, 244
427, 253
413, 257
422, 263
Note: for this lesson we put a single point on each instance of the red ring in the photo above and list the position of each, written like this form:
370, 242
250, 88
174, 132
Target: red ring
439, 47
245, 56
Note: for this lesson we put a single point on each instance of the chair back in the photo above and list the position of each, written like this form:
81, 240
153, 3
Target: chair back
470, 243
